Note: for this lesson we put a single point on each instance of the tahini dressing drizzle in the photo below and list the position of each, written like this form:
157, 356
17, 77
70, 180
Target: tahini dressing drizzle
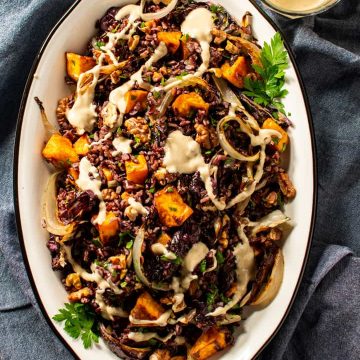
84, 182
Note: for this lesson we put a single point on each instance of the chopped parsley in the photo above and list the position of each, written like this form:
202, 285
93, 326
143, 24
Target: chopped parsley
151, 190
220, 257
176, 261
129, 244
183, 73
125, 236
97, 242
170, 189
202, 266
100, 44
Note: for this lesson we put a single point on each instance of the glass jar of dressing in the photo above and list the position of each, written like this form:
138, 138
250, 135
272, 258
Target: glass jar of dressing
299, 8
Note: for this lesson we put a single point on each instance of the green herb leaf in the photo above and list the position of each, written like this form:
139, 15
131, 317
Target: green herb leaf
176, 261
97, 242
151, 190
123, 284
270, 88
220, 257
211, 296
156, 95
100, 44
125, 236
170, 189
129, 244
79, 322
184, 73
203, 266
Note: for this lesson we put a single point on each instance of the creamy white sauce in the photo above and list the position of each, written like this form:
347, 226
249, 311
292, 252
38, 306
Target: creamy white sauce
122, 146
183, 155
84, 182
134, 209
110, 115
194, 257
107, 136
107, 312
117, 96
160, 249
198, 25
82, 115
140, 337
245, 271
160, 321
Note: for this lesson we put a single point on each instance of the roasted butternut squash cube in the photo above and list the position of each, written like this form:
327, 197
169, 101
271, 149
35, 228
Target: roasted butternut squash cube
172, 210
74, 173
133, 97
209, 343
161, 354
78, 64
185, 103
59, 151
108, 174
81, 146
281, 143
171, 40
125, 195
235, 73
147, 26
109, 228
164, 238
98, 53
146, 308
137, 172
185, 49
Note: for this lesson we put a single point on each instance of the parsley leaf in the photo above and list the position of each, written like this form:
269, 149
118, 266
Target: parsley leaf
176, 261
79, 322
220, 257
270, 88
203, 266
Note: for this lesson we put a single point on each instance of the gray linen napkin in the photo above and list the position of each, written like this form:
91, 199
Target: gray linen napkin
324, 322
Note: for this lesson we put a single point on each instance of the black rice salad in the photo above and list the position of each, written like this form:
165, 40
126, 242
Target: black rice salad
165, 212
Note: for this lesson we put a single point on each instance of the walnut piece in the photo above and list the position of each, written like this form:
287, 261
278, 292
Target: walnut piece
109, 194
206, 137
286, 186
139, 128
73, 280
271, 199
231, 48
80, 294
220, 36
63, 106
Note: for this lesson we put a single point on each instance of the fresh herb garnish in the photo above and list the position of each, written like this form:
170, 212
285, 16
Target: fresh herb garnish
125, 236
211, 296
269, 89
100, 44
202, 266
137, 140
180, 76
129, 244
209, 152
79, 322
156, 95
97, 242
185, 37
123, 284
142, 25
151, 190
170, 189
216, 8
176, 261
162, 82
220, 257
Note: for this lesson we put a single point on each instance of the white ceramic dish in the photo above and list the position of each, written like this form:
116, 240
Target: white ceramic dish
31, 173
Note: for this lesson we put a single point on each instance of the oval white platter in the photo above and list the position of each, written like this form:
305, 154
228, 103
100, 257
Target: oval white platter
46, 81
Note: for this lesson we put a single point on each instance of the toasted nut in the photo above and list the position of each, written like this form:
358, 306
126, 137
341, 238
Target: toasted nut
109, 194
231, 48
156, 77
118, 260
220, 36
275, 234
206, 137
115, 76
286, 186
80, 294
223, 241
133, 42
62, 108
271, 199
109, 115
73, 280
139, 128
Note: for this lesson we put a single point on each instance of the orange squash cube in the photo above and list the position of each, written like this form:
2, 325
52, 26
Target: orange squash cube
73, 173
78, 64
164, 238
236, 72
280, 144
137, 172
108, 174
109, 228
171, 40
59, 151
185, 103
172, 210
133, 97
81, 146
185, 50
146, 308
210, 342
